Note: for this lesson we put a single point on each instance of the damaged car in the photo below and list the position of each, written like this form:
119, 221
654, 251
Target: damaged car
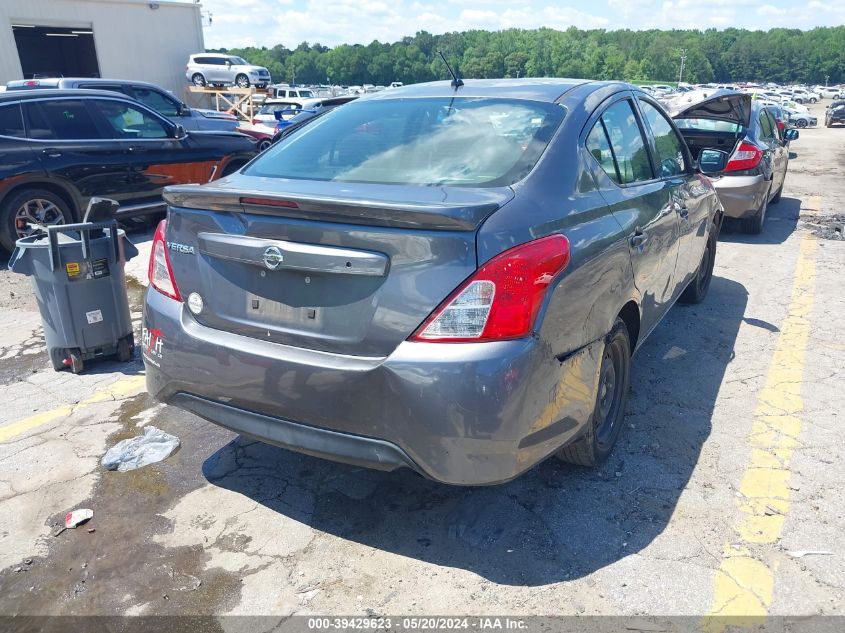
446, 277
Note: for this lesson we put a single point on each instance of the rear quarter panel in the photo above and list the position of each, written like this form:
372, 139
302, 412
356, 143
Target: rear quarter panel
560, 196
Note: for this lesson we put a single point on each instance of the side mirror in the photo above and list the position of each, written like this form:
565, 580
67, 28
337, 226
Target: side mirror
183, 110
179, 132
712, 161
790, 135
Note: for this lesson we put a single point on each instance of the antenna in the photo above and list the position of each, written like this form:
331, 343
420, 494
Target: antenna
457, 82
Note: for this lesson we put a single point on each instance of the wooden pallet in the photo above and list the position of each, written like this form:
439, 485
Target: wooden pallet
237, 101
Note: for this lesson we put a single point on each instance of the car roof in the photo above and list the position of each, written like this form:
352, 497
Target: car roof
213, 55
92, 80
32, 95
549, 90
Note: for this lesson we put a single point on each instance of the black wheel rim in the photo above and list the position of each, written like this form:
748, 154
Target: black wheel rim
611, 390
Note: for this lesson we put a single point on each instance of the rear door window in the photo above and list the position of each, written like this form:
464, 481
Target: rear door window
627, 142
668, 145
62, 120
156, 100
765, 125
11, 121
128, 122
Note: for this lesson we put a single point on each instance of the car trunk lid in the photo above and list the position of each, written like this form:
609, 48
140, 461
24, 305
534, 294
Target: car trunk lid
720, 105
339, 267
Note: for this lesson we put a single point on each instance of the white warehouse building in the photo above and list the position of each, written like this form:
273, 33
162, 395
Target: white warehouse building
119, 39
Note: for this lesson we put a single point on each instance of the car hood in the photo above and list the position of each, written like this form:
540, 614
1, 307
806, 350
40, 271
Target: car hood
718, 105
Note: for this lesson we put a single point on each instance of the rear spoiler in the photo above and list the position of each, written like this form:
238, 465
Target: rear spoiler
465, 214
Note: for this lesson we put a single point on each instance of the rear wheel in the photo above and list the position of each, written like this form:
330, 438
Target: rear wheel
242, 81
698, 287
801, 123
23, 213
614, 381
264, 144
76, 362
198, 80
754, 224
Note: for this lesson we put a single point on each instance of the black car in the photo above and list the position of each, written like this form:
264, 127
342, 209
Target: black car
61, 147
835, 113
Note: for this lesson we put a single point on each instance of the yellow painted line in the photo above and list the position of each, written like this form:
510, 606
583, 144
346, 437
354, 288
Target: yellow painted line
744, 585
114, 391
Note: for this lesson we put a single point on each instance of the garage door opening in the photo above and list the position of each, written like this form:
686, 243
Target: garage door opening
49, 51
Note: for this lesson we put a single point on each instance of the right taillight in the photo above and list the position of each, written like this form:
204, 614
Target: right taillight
160, 272
746, 156
502, 299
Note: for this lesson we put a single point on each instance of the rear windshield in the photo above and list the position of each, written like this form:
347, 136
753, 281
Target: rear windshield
708, 125
432, 141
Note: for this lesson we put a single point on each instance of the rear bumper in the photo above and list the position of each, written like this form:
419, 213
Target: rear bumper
741, 196
467, 414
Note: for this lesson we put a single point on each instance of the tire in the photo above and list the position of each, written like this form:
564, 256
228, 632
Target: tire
754, 224
198, 80
813, 100
231, 168
125, 348
697, 289
606, 422
264, 144
57, 358
777, 196
802, 123
76, 362
38, 202
242, 81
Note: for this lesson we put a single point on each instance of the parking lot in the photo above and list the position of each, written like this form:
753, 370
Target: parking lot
722, 496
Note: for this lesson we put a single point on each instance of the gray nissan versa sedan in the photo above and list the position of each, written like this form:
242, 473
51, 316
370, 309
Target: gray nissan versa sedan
450, 279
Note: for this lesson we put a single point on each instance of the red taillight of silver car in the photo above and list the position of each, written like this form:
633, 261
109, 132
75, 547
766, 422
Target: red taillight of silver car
746, 156
160, 273
502, 299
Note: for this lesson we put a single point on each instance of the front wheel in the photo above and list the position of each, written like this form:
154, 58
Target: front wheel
606, 422
242, 81
264, 144
801, 123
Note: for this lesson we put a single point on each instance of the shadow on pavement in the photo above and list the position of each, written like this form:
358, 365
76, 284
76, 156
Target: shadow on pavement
781, 220
555, 522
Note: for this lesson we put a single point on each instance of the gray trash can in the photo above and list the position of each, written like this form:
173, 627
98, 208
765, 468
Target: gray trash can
78, 279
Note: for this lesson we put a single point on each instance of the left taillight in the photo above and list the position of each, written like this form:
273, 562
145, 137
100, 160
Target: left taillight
160, 272
502, 299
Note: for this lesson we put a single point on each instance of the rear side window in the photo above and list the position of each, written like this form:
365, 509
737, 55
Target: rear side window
11, 121
627, 142
61, 119
202, 60
156, 100
765, 125
459, 141
668, 146
599, 148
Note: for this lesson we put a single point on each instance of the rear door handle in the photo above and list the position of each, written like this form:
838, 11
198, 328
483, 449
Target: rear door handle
639, 239
52, 152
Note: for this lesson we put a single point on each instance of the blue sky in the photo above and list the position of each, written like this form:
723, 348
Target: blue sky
268, 22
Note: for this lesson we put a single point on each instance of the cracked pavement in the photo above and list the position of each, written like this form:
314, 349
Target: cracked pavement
228, 525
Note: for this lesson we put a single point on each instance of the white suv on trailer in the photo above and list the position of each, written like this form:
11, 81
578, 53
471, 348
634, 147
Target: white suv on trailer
225, 70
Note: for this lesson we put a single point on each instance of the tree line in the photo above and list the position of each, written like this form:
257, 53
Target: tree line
816, 56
